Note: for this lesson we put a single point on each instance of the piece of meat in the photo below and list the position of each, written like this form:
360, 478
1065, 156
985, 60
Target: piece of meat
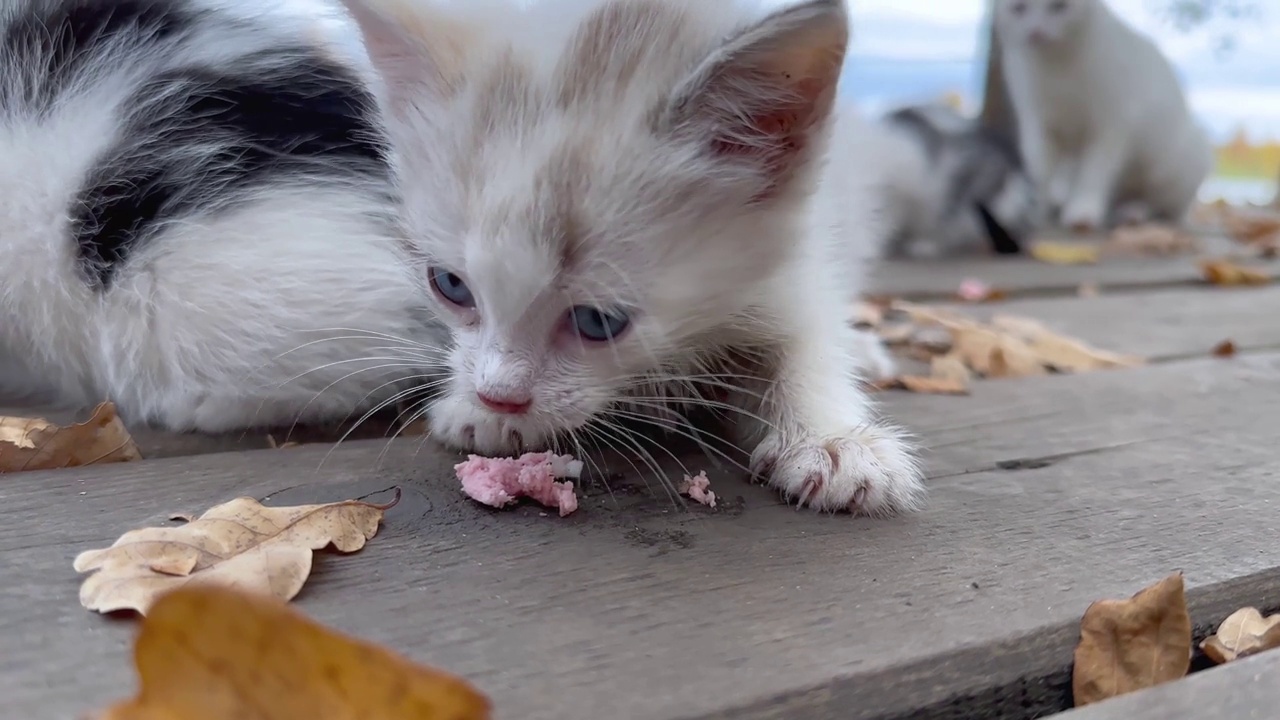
698, 488
499, 482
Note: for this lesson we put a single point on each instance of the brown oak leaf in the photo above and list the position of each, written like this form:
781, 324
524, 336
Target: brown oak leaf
1128, 645
241, 543
37, 444
213, 653
1245, 632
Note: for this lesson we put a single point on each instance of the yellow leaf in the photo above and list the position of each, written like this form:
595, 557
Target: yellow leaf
924, 385
1128, 645
240, 544
1060, 253
37, 444
950, 367
1245, 632
1222, 272
1151, 239
210, 653
1060, 352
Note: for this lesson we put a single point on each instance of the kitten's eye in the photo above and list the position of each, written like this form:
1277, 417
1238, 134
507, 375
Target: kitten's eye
451, 288
597, 325
1057, 6
1019, 8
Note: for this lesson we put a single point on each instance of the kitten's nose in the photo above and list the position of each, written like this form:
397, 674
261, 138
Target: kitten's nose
508, 405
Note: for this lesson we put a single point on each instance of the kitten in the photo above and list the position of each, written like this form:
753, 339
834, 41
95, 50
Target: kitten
617, 201
197, 219
967, 192
1103, 125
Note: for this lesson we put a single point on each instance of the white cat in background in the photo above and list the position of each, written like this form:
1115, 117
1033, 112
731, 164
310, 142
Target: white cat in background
1103, 125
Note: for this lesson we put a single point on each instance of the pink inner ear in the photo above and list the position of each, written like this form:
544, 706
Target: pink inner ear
774, 137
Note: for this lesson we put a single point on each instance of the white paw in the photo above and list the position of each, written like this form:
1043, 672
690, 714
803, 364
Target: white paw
869, 470
871, 357
1084, 215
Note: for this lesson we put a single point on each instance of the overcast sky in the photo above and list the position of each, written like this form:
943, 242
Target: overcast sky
908, 50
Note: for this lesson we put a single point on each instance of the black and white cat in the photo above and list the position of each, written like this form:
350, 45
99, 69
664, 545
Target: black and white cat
952, 186
197, 219
610, 205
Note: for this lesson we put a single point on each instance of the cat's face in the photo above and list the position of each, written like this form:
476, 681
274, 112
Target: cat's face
596, 210
1041, 23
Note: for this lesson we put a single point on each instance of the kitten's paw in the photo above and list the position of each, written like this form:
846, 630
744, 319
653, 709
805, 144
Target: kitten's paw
869, 470
1083, 218
1134, 212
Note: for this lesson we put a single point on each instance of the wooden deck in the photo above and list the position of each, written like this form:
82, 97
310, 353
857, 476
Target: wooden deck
1047, 493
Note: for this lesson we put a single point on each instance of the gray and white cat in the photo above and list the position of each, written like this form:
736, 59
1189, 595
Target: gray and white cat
958, 189
197, 219
1103, 124
626, 202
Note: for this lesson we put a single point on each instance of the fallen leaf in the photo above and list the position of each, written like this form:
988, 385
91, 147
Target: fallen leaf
1062, 253
866, 314
181, 517
923, 384
37, 444
1150, 239
1060, 352
950, 367
271, 443
1245, 632
1128, 645
241, 543
1223, 272
212, 653
1224, 349
1088, 290
1251, 226
996, 354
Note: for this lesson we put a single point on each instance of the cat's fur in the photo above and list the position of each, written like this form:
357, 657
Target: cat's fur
197, 219
948, 173
655, 159
1104, 127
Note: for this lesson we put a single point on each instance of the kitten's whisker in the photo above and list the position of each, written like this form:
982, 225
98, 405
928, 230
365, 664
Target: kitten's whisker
691, 433
620, 434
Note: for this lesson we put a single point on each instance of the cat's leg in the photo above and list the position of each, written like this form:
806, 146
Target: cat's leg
1061, 183
1101, 164
817, 439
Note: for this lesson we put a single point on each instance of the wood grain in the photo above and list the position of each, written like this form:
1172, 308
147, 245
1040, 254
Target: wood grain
1046, 494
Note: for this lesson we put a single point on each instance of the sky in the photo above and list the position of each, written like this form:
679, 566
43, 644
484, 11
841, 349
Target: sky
913, 50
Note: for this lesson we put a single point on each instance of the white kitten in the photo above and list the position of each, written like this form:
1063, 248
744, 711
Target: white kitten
1104, 127
616, 199
197, 220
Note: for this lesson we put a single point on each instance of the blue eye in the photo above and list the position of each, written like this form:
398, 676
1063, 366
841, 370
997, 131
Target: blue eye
451, 288
597, 325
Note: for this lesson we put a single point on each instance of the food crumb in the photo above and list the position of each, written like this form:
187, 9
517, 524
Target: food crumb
698, 488
499, 482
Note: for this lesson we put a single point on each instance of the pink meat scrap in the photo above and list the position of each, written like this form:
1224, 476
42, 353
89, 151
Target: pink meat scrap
499, 482
698, 488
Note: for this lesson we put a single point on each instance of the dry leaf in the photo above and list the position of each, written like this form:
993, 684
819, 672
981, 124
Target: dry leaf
923, 384
1061, 253
1224, 349
866, 314
1060, 352
1128, 645
1150, 239
995, 354
1088, 290
37, 444
1251, 226
211, 653
1223, 272
241, 543
950, 367
1245, 632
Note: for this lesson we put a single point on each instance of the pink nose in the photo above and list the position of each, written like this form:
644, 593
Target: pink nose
505, 405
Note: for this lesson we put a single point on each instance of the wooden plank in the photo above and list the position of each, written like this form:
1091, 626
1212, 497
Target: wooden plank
1157, 324
1248, 688
939, 279
1048, 493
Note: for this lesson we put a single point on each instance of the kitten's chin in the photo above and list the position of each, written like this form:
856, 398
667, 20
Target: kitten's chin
461, 425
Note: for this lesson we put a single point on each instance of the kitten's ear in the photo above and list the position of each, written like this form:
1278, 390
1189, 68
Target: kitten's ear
416, 51
762, 95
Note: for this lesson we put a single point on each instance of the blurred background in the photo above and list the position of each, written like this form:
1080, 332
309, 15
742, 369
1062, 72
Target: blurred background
1227, 53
